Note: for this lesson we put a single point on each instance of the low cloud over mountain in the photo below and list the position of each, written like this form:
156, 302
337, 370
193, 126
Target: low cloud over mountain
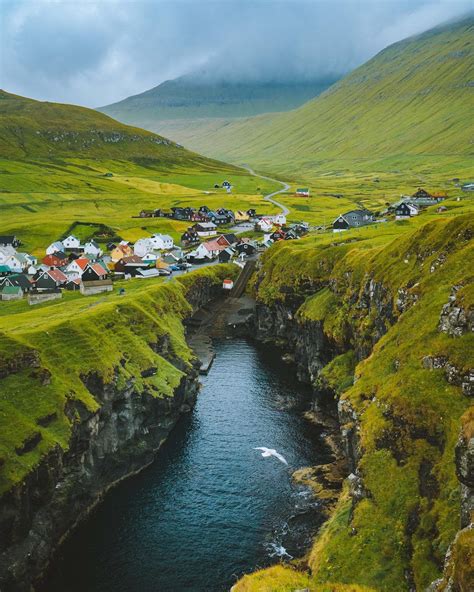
101, 51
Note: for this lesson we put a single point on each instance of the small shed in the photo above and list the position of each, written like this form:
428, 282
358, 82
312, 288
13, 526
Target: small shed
96, 287
227, 284
302, 192
11, 293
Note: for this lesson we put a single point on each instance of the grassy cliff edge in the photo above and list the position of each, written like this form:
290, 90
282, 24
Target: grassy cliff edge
404, 308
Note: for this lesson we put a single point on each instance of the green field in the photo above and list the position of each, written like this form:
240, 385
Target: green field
40, 200
53, 159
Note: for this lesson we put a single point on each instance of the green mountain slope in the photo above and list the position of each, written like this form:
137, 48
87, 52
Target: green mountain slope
192, 96
35, 129
414, 99
183, 107
62, 165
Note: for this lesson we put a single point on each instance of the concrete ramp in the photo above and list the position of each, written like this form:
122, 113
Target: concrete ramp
243, 279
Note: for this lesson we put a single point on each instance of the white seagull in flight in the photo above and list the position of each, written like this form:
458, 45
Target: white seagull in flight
267, 452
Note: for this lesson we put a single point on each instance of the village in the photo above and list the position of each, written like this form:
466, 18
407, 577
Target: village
214, 237
87, 267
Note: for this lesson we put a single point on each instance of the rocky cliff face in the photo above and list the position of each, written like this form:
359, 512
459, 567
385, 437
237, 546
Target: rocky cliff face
106, 445
382, 425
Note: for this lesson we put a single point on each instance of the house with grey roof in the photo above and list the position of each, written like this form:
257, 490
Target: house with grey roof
352, 219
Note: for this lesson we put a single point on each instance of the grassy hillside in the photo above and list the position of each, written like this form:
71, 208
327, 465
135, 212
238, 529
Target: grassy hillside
45, 350
37, 129
406, 413
53, 159
408, 109
192, 106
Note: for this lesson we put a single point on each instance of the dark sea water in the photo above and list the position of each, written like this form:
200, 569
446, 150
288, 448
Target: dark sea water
210, 508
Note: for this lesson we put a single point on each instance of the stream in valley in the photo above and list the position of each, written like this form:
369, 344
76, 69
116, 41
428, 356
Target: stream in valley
210, 508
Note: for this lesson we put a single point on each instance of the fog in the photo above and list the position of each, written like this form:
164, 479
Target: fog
97, 52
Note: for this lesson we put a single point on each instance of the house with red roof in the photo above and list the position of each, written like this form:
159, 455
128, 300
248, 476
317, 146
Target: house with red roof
93, 272
76, 268
49, 279
57, 259
209, 250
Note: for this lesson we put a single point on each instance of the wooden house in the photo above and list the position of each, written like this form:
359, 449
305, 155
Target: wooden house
204, 229
248, 248
241, 216
121, 250
9, 240
94, 272
405, 210
57, 259
49, 279
18, 279
129, 265
226, 255
352, 219
189, 238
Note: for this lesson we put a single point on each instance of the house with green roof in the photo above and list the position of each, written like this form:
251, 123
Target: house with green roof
11, 293
302, 192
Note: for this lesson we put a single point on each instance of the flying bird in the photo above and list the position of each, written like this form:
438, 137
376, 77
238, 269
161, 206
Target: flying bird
267, 452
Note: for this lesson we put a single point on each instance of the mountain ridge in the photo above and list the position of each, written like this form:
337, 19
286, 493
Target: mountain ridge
189, 98
389, 108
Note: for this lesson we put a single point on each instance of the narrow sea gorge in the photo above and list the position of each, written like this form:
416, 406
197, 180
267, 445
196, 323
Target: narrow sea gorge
209, 508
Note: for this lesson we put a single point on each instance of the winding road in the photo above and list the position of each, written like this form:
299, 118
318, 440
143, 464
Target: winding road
270, 196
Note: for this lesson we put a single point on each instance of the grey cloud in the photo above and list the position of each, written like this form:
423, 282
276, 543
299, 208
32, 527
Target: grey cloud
100, 51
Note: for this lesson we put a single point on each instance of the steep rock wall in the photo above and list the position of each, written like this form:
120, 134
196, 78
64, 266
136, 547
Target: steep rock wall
134, 408
389, 332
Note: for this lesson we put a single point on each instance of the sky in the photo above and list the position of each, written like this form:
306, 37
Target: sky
95, 52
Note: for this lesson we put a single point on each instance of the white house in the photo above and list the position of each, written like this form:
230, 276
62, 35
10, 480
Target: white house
17, 262
279, 219
143, 246
30, 258
71, 242
264, 224
76, 268
5, 253
162, 242
149, 258
55, 248
208, 250
92, 248
302, 192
